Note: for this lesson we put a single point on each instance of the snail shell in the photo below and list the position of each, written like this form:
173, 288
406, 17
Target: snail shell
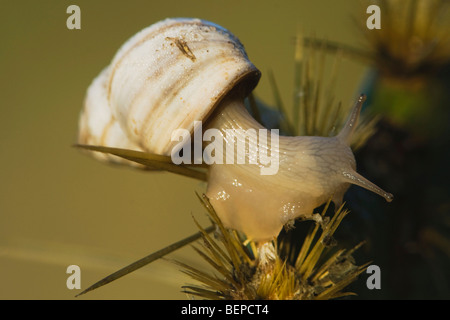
164, 78
179, 71
97, 124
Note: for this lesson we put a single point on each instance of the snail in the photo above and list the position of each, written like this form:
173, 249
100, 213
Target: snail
178, 71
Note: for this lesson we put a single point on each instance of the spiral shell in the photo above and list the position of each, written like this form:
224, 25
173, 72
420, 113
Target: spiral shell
164, 78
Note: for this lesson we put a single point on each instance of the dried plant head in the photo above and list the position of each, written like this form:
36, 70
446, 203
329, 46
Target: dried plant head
243, 269
408, 58
414, 40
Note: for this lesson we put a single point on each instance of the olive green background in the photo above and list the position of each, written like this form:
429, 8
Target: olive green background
59, 207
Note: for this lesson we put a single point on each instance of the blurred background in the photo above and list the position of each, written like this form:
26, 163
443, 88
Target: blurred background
59, 207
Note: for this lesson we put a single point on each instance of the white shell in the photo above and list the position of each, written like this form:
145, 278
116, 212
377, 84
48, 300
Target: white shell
164, 78
98, 126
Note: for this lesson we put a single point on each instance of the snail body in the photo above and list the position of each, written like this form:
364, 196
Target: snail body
179, 71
